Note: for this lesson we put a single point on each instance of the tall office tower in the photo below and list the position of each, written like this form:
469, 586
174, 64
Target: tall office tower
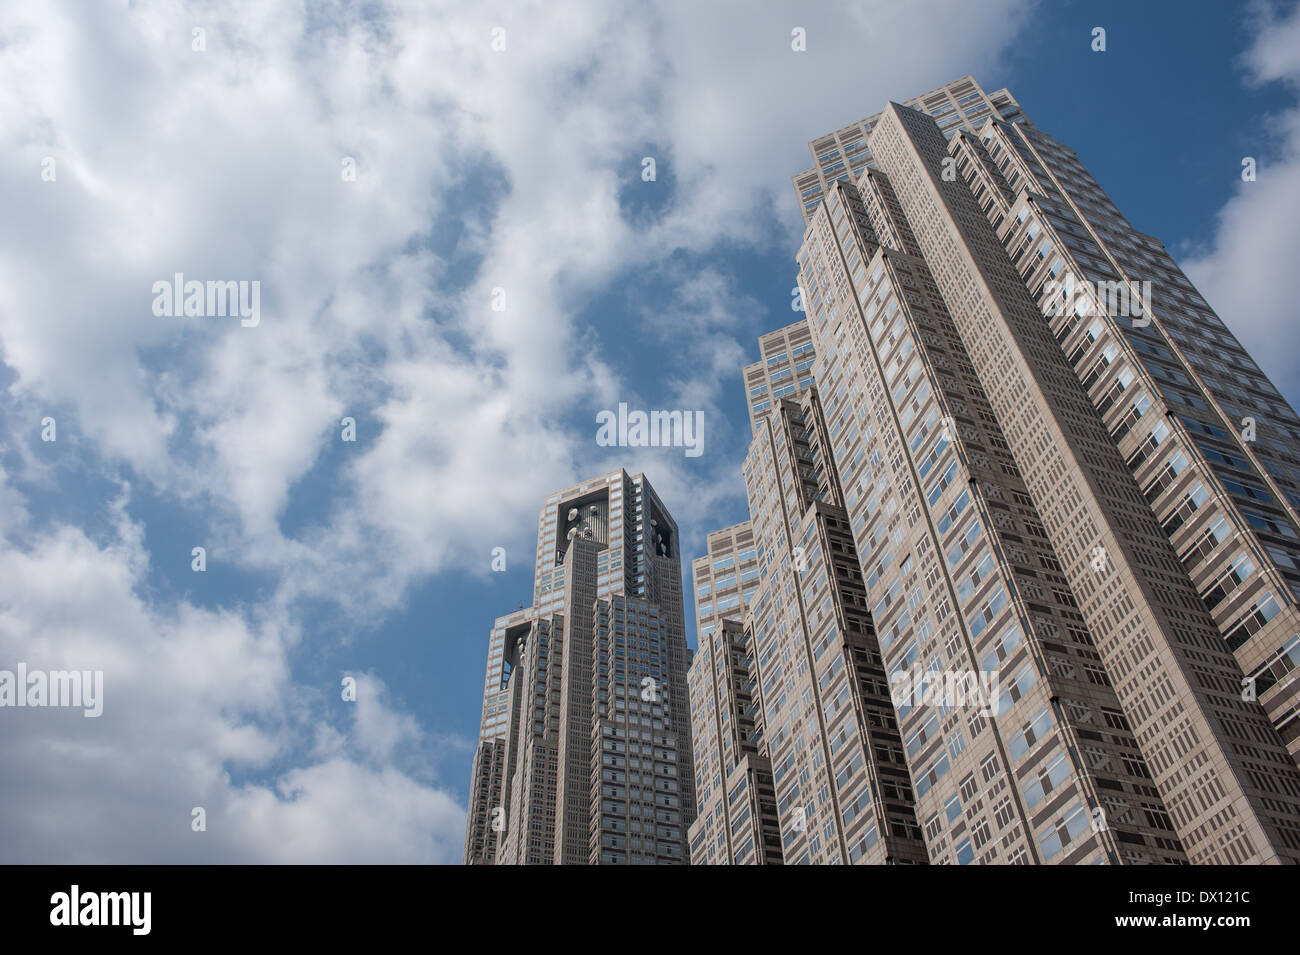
736, 821
1051, 497
999, 528
585, 751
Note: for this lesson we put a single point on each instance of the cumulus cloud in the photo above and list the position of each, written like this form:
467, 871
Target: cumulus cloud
191, 700
226, 163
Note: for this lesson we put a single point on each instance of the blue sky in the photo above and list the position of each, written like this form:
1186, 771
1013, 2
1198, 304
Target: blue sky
477, 170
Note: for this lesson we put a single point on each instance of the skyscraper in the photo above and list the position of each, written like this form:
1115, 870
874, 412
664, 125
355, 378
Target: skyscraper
1016, 544
584, 749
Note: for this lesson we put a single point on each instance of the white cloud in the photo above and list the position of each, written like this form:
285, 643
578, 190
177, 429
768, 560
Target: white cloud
1241, 272
226, 164
190, 696
341, 813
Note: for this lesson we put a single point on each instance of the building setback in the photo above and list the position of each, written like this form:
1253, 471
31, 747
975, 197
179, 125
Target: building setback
737, 818
1004, 472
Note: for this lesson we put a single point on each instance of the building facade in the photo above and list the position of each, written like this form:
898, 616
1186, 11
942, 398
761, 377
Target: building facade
1026, 553
584, 752
736, 821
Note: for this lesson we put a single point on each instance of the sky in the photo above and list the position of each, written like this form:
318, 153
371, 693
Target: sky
444, 208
